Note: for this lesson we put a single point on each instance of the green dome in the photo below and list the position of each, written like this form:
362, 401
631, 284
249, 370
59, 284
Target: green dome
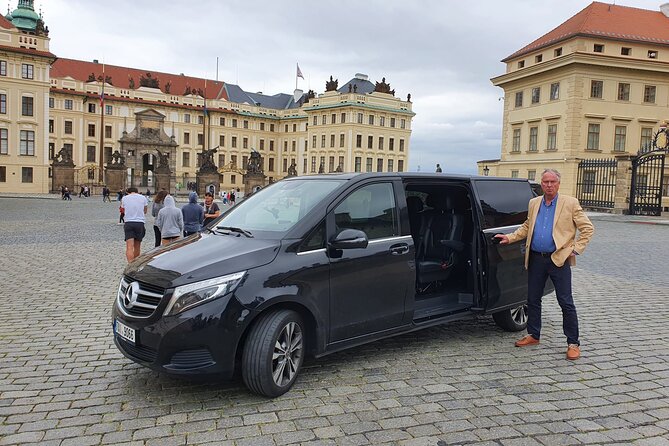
24, 17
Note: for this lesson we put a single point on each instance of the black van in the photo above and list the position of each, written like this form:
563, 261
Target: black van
312, 265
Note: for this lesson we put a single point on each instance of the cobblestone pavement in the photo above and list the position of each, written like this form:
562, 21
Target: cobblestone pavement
62, 381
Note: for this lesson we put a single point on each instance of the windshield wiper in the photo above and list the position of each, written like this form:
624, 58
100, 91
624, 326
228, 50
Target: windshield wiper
230, 229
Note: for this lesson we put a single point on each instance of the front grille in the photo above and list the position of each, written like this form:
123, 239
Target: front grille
191, 359
141, 300
141, 352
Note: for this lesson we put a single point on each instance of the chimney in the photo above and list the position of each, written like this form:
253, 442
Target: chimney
665, 9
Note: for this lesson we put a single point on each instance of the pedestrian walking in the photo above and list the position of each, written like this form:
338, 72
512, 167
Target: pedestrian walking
81, 191
170, 221
119, 195
134, 206
67, 195
106, 194
158, 203
551, 250
62, 192
193, 215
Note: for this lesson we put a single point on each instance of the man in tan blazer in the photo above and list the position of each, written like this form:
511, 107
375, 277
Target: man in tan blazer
551, 250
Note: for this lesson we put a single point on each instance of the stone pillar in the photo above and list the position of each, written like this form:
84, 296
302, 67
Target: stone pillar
621, 202
252, 180
204, 179
62, 175
116, 177
162, 180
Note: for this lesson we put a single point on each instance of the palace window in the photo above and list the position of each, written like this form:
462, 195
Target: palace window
331, 165
401, 149
390, 165
245, 143
68, 104
623, 92
620, 138
27, 147
200, 139
91, 108
536, 95
391, 144
370, 142
646, 138
403, 123
557, 52
108, 131
368, 165
626, 51
313, 142
27, 72
341, 140
262, 144
531, 175
26, 174
185, 159
221, 122
649, 94
551, 141
26, 106
68, 127
596, 89
186, 137
234, 142
3, 103
534, 133
333, 118
262, 126
371, 119
221, 140
271, 145
234, 123
538, 58
400, 165
652, 54
3, 68
359, 118
52, 102
315, 120
343, 118
90, 154
380, 142
392, 122
555, 91
598, 48
515, 146
358, 141
332, 140
3, 174
91, 130
246, 123
270, 166
514, 174
382, 121
358, 164
593, 137
108, 109
313, 164
322, 141
519, 99
4, 142
521, 63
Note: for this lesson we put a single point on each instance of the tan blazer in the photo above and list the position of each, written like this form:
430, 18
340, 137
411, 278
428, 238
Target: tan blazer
569, 217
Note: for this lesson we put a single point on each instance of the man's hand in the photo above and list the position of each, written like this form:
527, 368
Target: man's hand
503, 239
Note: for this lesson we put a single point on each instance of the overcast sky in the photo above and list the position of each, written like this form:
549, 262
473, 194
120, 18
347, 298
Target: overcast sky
442, 52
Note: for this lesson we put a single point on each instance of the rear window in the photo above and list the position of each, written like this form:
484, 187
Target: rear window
504, 203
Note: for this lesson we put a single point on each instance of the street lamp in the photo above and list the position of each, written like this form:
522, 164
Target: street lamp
486, 170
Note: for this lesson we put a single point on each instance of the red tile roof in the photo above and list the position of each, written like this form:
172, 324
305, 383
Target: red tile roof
607, 22
4, 23
120, 77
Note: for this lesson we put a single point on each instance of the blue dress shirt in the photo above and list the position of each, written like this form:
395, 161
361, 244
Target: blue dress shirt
542, 237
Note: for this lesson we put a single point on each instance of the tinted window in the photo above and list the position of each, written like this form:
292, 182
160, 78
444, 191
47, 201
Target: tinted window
504, 203
370, 209
315, 240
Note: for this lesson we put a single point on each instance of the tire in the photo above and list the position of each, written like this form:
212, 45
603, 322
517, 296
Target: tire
514, 319
273, 353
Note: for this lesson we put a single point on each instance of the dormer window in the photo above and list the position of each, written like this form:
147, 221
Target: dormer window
652, 54
599, 48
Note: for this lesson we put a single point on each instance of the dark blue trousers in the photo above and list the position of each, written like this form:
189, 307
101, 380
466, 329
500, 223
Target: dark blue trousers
540, 268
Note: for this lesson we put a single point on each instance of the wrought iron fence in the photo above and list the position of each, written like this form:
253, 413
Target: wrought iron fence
596, 185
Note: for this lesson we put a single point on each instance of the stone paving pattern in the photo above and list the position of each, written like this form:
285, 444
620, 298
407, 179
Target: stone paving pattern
63, 382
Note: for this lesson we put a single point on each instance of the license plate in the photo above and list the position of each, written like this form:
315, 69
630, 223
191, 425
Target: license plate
124, 331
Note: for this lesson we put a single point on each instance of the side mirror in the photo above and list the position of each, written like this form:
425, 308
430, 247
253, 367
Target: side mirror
349, 239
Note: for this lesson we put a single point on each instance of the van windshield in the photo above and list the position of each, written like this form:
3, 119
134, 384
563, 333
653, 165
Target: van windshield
278, 207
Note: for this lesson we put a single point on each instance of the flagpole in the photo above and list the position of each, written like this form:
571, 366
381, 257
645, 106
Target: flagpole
102, 126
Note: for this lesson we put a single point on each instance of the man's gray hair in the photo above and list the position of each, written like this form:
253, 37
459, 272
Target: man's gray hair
553, 171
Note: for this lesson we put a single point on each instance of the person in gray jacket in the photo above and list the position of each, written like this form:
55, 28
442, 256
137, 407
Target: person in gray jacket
170, 221
193, 215
158, 204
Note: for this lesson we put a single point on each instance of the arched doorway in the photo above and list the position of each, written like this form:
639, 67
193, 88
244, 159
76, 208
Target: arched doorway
148, 164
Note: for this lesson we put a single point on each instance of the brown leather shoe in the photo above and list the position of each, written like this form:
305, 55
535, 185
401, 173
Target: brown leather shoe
527, 340
573, 352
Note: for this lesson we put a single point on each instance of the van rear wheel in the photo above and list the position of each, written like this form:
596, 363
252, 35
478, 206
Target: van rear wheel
514, 319
273, 353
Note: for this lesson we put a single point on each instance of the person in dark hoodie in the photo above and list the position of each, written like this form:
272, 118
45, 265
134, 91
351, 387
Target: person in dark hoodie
170, 221
193, 215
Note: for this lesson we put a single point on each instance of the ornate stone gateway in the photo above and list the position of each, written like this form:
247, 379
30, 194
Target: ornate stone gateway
208, 178
648, 175
62, 170
149, 153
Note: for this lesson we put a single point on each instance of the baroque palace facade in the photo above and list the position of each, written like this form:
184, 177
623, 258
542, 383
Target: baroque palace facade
49, 103
595, 87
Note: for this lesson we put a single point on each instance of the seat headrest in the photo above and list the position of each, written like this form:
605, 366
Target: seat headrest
439, 201
415, 204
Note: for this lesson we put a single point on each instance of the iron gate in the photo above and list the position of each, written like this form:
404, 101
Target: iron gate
646, 191
596, 185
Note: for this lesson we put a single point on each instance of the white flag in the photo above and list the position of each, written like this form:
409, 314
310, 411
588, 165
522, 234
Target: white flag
299, 72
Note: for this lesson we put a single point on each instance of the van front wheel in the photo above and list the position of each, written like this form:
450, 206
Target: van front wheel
273, 353
514, 319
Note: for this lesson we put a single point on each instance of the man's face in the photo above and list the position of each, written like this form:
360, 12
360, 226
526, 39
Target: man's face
208, 200
550, 184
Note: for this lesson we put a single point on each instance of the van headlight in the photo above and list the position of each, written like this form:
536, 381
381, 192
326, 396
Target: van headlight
188, 296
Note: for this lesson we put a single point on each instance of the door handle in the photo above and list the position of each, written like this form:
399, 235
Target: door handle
398, 250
